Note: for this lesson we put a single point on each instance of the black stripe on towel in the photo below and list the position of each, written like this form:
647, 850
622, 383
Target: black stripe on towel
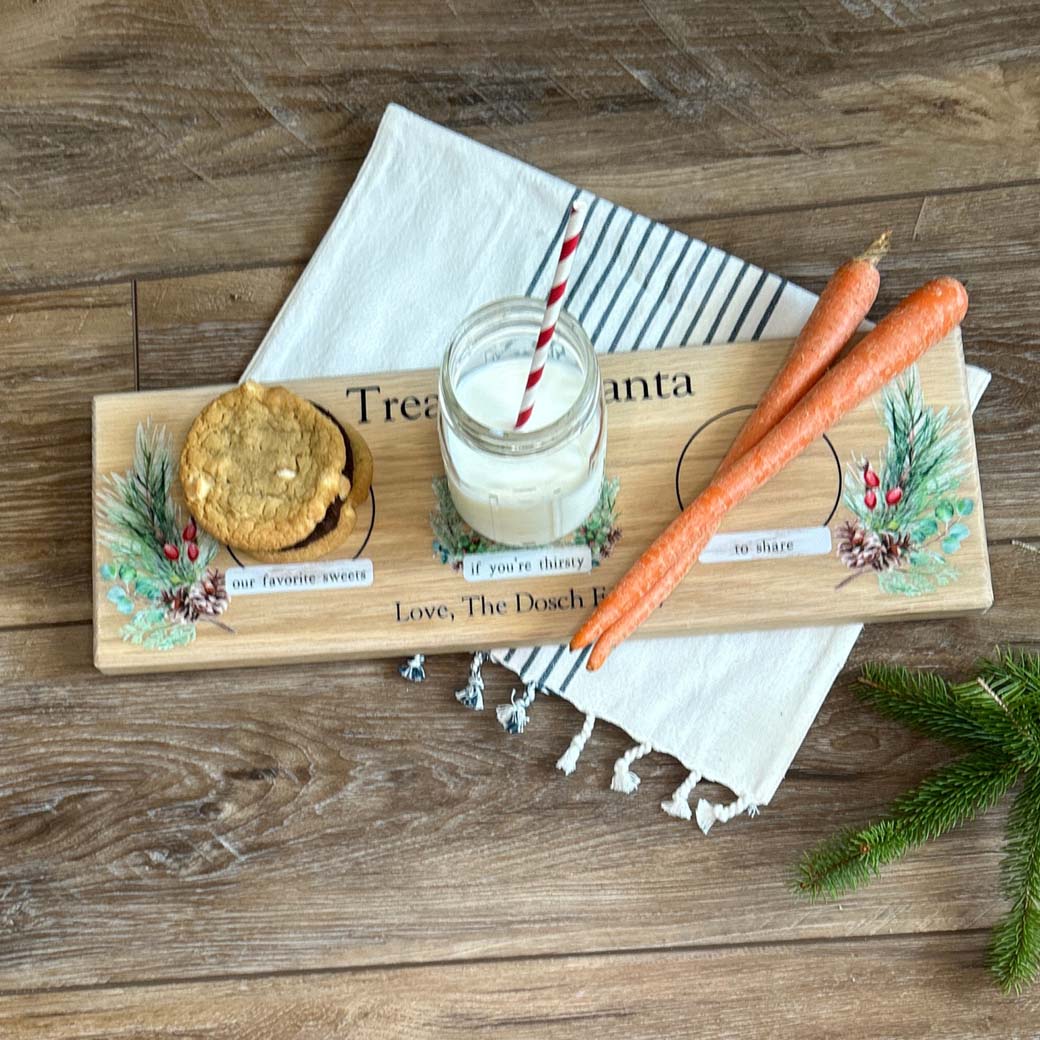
642, 290
725, 303
746, 309
706, 297
685, 293
606, 270
543, 678
623, 281
764, 321
580, 660
527, 664
664, 292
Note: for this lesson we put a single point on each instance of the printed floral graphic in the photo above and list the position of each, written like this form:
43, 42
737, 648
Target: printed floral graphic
454, 538
160, 575
906, 519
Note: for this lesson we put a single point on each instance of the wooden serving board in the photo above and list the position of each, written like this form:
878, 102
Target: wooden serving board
672, 413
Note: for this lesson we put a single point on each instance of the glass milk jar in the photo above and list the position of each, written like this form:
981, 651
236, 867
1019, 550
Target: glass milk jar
531, 486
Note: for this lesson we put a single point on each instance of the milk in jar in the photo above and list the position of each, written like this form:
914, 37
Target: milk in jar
536, 485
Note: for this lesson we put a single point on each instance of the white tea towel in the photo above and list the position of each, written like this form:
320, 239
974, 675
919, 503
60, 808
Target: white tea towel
437, 225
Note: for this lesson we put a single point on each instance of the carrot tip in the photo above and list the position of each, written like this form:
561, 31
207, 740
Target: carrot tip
878, 248
599, 655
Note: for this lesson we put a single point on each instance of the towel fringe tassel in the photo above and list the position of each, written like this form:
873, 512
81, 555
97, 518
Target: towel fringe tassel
472, 694
513, 716
679, 804
709, 814
412, 669
624, 780
568, 761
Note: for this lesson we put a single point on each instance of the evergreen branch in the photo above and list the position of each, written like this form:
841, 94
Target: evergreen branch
1013, 680
996, 716
1016, 677
1014, 954
962, 716
950, 796
836, 866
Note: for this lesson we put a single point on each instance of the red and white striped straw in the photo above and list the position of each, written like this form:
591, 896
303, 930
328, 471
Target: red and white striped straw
553, 304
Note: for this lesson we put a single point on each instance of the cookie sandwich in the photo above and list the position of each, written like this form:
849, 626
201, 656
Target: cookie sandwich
271, 474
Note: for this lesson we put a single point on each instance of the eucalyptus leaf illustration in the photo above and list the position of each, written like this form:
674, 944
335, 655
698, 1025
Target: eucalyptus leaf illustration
123, 603
925, 529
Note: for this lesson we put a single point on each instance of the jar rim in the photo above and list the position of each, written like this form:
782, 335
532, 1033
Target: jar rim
519, 442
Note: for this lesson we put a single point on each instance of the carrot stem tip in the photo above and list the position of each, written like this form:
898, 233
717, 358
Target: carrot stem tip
877, 249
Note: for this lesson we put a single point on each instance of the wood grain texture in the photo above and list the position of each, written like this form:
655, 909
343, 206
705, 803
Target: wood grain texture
333, 816
914, 987
204, 329
58, 350
660, 438
228, 135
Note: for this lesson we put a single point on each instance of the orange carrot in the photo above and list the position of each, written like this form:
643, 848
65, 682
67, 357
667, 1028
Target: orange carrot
899, 339
842, 306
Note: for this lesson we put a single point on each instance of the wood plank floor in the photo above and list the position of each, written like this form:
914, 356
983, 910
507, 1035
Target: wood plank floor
326, 851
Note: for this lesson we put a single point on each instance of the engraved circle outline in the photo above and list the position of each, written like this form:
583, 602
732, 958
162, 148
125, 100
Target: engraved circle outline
747, 408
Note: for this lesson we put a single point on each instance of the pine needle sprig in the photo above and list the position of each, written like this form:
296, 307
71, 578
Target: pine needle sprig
952, 795
1014, 953
962, 715
1012, 681
921, 457
923, 451
141, 516
995, 721
907, 522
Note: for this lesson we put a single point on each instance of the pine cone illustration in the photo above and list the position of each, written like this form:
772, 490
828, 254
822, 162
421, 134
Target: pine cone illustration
208, 596
894, 550
857, 547
613, 537
178, 604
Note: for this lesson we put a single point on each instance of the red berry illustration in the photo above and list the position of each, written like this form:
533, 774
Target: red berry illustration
870, 478
893, 495
171, 552
870, 500
193, 551
189, 531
